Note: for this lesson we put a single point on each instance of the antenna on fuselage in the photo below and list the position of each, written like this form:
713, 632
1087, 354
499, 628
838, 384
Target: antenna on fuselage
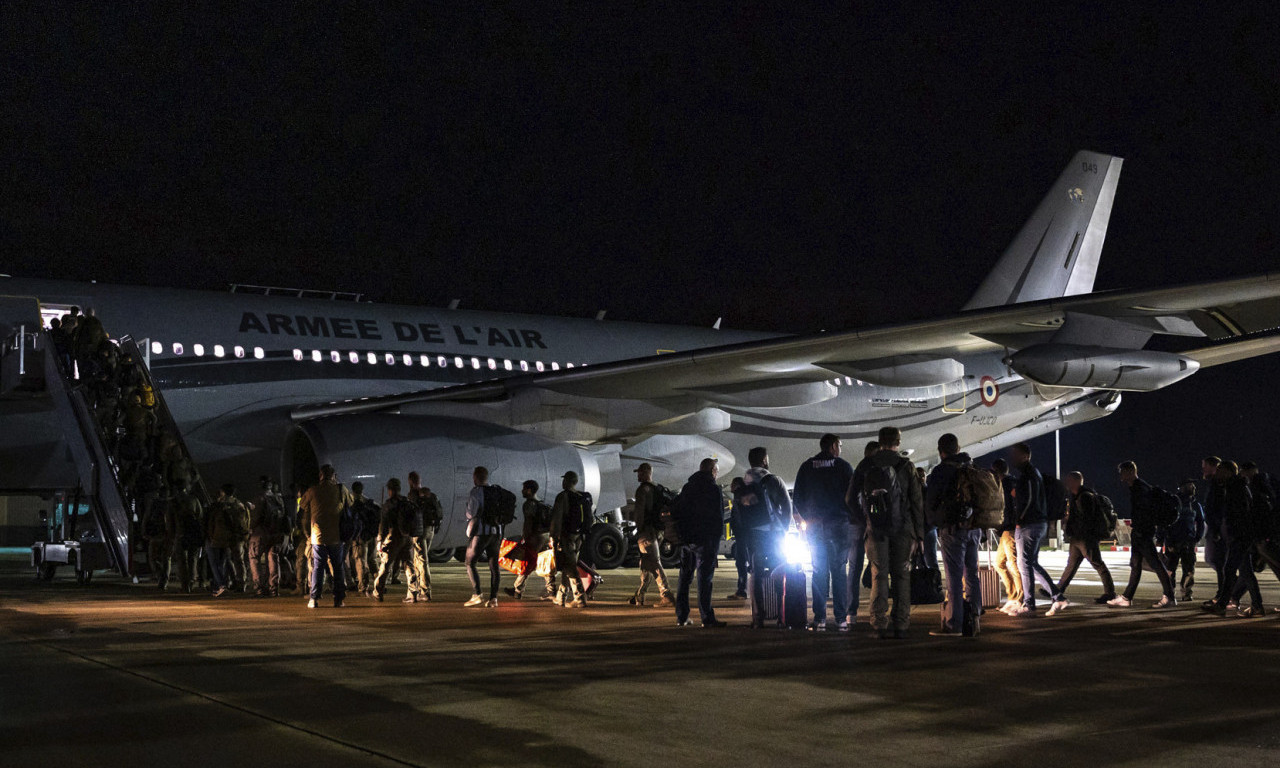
454, 304
600, 315
716, 324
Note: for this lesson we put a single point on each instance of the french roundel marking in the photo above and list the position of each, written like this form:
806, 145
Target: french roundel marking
989, 391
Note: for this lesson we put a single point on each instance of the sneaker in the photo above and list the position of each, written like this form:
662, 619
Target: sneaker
338, 603
410, 599
1057, 607
547, 598
843, 626
1252, 612
491, 603
1233, 606
1212, 606
1104, 599
971, 627
714, 623
512, 593
220, 591
1023, 612
311, 603
558, 599
633, 600
1185, 597
577, 602
667, 601
683, 622
737, 596
1119, 602
1165, 602
1010, 605
475, 600
817, 626
374, 596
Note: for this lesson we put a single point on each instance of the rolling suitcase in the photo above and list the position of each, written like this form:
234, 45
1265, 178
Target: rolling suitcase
795, 597
989, 579
774, 584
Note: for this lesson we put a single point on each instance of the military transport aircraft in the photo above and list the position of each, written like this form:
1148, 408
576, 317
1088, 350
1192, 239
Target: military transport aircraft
259, 382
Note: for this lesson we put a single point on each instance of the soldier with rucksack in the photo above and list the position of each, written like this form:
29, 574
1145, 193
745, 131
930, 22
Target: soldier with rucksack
535, 537
951, 507
489, 509
358, 549
571, 517
225, 527
267, 526
893, 512
426, 519
393, 540
1179, 539
1265, 517
1261, 507
1089, 520
646, 513
1150, 507
185, 518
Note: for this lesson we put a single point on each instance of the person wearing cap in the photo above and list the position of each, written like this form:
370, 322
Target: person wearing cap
485, 542
393, 542
566, 540
648, 527
535, 537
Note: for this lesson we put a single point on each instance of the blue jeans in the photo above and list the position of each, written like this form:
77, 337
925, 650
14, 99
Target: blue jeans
699, 559
857, 556
1027, 539
333, 555
964, 591
217, 557
930, 547
829, 545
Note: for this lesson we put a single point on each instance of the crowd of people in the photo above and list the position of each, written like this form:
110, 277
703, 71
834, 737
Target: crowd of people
882, 511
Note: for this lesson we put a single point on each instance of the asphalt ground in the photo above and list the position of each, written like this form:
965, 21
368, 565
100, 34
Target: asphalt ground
119, 674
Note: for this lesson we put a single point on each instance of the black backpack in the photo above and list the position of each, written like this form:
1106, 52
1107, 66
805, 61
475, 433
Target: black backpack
1107, 519
1263, 506
349, 523
1164, 507
542, 517
1056, 498
883, 497
499, 506
433, 512
672, 511
756, 508
274, 518
577, 514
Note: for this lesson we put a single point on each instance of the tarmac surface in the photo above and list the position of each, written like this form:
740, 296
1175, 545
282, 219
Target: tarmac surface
117, 674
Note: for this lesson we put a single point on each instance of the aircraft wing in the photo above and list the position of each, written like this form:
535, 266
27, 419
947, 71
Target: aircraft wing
1216, 310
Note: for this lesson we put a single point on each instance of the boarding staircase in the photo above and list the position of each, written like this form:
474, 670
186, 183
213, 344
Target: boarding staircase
34, 377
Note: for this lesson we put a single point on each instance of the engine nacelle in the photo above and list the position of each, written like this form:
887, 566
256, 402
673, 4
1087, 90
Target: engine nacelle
1085, 367
374, 447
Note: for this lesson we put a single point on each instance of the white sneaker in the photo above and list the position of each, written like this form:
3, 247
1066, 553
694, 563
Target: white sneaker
1022, 610
311, 603
1009, 605
475, 600
1057, 607
577, 602
1119, 601
493, 603
1165, 602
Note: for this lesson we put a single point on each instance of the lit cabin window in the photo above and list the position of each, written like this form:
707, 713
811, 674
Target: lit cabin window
157, 348
354, 357
848, 380
258, 353
540, 366
457, 361
297, 355
177, 348
335, 356
426, 361
198, 349
408, 359
315, 355
555, 366
373, 359
391, 359
475, 363
442, 361
493, 364
219, 350
568, 365
239, 352
506, 364
524, 365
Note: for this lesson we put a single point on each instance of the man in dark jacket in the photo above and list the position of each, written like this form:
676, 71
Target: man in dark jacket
891, 537
1142, 519
700, 518
942, 506
1236, 501
822, 484
1031, 511
1180, 539
765, 509
1215, 545
1266, 551
1085, 525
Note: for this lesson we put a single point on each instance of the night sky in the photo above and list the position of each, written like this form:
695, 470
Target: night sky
792, 172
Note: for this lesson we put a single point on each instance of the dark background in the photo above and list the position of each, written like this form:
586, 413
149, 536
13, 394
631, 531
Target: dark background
788, 171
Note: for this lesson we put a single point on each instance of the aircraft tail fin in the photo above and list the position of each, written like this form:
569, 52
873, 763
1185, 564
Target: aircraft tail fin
1056, 252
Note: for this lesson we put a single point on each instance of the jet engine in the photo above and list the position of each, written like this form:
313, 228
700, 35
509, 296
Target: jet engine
1087, 367
374, 447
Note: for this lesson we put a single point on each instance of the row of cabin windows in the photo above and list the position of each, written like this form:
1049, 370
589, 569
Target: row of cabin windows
372, 358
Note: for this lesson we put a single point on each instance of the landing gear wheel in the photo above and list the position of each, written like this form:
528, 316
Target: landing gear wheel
84, 577
437, 556
668, 554
45, 571
605, 547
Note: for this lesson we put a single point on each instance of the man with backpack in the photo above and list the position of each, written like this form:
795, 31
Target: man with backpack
1180, 539
393, 540
1240, 533
1149, 508
1266, 551
159, 535
1215, 544
186, 521
325, 505
535, 537
948, 509
857, 538
646, 514
699, 515
1031, 511
764, 510
571, 516
484, 529
893, 512
267, 525
429, 508
358, 549
224, 527
822, 485
1090, 518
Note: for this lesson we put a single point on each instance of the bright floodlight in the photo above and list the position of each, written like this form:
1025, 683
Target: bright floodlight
796, 550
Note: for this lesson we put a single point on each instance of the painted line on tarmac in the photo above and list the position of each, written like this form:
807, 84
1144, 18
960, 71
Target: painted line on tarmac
227, 704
